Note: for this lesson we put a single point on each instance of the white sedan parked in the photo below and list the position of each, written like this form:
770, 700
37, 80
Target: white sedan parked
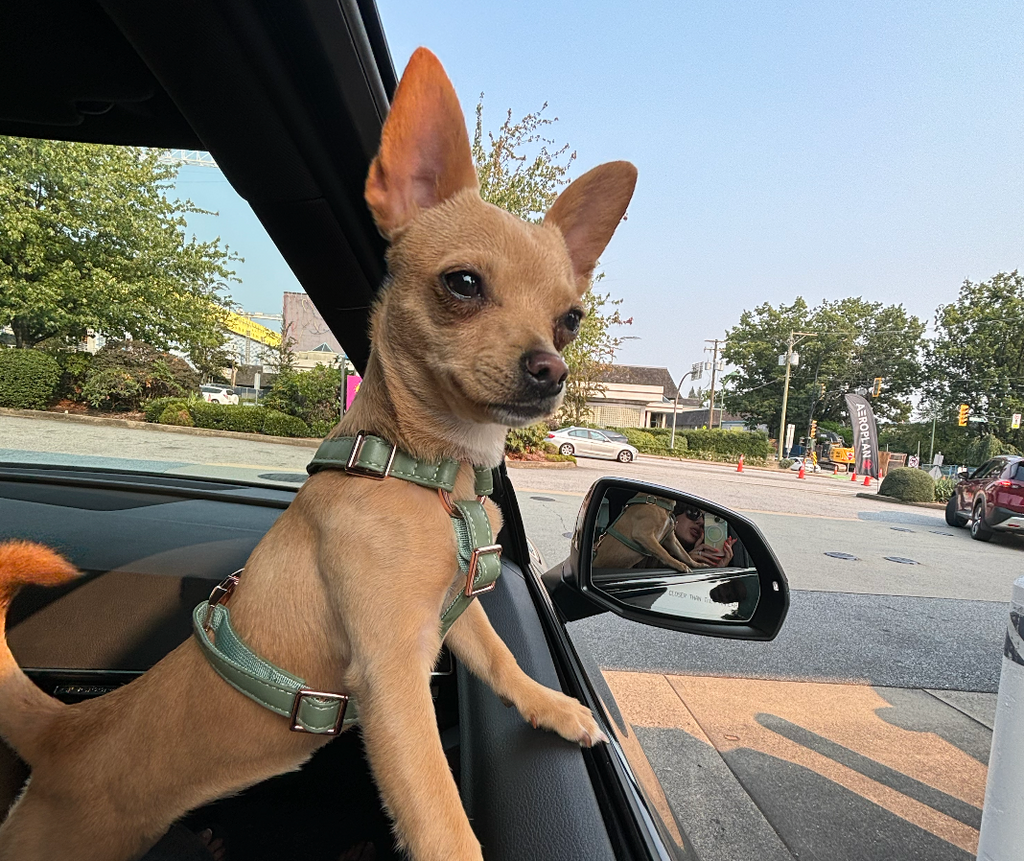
586, 442
218, 395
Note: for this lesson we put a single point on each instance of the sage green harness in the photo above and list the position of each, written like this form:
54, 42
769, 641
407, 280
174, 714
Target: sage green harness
323, 712
640, 499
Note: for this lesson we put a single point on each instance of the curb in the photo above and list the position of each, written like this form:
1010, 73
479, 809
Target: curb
150, 426
539, 464
878, 498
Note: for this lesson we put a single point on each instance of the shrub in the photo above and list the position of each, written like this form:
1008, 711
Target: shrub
74, 367
944, 488
229, 417
910, 485
112, 389
311, 395
702, 443
125, 373
154, 408
786, 463
177, 414
319, 428
279, 424
28, 379
526, 440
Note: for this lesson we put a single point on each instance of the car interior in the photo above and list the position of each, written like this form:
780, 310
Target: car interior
289, 99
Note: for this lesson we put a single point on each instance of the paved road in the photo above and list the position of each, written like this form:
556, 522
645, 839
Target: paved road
861, 732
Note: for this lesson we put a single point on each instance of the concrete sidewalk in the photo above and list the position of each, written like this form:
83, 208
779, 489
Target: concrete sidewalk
784, 770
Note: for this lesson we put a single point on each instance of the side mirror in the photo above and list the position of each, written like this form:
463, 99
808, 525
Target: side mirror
670, 559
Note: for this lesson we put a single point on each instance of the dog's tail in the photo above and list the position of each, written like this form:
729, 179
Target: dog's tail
24, 708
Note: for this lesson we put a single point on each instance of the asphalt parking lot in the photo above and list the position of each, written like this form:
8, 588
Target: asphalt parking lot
861, 732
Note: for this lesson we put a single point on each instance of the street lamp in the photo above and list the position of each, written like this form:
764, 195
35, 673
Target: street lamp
788, 360
695, 371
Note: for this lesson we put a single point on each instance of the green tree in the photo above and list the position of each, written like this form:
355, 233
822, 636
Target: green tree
522, 171
91, 241
854, 342
589, 355
516, 169
977, 357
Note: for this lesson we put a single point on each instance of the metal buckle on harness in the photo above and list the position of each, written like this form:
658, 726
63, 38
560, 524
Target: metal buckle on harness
220, 594
474, 559
321, 695
352, 467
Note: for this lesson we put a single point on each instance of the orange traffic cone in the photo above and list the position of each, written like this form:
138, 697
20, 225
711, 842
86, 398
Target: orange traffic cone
835, 470
801, 473
739, 466
867, 481
853, 476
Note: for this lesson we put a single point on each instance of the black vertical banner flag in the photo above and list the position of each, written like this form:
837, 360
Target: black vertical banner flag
865, 435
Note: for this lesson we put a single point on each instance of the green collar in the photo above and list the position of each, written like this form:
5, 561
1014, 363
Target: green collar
374, 457
322, 712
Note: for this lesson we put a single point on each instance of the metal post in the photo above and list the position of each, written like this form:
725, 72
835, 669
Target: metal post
344, 384
785, 395
714, 370
695, 371
931, 451
1000, 838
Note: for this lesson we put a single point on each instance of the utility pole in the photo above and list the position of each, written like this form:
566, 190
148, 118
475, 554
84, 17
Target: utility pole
785, 389
714, 371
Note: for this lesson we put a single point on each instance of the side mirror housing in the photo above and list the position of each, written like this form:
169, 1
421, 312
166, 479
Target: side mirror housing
670, 559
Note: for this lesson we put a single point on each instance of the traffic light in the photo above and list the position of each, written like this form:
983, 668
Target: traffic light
965, 411
877, 388
814, 430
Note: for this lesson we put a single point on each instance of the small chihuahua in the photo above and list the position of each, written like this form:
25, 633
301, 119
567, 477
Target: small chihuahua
466, 339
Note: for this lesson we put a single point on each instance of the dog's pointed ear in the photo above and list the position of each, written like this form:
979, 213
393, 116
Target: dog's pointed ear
424, 155
588, 212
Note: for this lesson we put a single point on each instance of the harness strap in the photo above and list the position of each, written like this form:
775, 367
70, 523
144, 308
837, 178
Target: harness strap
322, 712
318, 712
640, 499
629, 542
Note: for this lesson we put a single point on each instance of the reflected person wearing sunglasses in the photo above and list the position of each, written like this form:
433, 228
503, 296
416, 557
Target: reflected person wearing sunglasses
690, 532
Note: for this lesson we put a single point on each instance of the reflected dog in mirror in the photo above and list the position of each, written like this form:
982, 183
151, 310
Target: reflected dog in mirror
644, 531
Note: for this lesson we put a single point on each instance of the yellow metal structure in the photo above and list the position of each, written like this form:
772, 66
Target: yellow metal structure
250, 329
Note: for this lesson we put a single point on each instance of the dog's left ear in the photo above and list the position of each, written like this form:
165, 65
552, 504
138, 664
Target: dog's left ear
424, 156
588, 212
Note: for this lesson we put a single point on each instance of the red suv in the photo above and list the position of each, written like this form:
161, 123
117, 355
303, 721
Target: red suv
991, 498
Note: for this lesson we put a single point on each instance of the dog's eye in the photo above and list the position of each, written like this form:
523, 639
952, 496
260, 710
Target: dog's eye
572, 321
464, 284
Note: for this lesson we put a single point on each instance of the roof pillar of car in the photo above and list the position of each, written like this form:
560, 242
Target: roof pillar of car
290, 100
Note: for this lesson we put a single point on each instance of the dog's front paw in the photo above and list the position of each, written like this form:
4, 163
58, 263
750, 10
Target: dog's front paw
571, 719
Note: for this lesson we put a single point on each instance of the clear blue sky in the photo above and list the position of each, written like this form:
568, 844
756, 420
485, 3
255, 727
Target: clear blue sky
865, 149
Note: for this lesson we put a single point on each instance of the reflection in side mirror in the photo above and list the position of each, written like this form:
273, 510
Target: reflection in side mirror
672, 540
666, 558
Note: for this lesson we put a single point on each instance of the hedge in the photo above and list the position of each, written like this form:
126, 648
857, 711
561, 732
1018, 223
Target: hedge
28, 379
908, 484
281, 424
722, 443
228, 417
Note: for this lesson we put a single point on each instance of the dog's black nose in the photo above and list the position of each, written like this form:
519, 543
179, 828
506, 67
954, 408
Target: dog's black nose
546, 370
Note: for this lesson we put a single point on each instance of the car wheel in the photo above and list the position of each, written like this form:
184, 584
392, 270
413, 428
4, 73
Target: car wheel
625, 456
979, 531
953, 516
565, 448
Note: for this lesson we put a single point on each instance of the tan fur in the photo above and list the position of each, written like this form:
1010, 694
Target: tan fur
651, 527
445, 379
